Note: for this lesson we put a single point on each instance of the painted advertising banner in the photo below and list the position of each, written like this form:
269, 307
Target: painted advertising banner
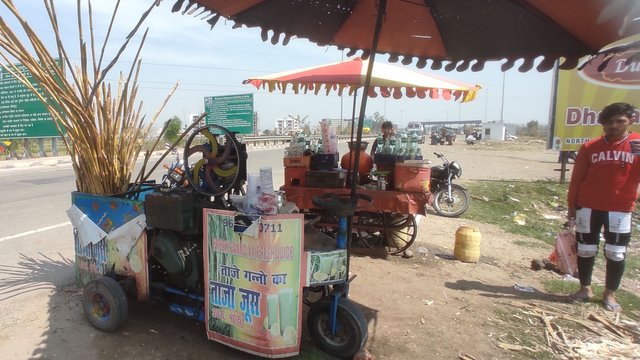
581, 95
253, 283
22, 114
234, 112
109, 236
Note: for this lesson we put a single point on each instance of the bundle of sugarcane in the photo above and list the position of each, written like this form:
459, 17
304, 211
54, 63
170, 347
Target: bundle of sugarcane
102, 127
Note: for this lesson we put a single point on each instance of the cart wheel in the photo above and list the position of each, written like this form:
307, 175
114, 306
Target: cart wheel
351, 327
370, 228
394, 231
401, 231
105, 303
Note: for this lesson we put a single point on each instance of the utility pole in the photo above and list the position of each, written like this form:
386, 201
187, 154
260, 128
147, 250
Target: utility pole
502, 102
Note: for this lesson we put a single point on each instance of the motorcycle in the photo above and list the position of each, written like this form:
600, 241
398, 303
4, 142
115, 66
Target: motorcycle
449, 199
175, 176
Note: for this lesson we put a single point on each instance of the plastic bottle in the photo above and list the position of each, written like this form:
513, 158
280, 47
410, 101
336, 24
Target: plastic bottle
404, 145
393, 146
418, 155
379, 144
411, 147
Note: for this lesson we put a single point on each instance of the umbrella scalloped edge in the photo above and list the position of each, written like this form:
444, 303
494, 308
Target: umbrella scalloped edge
385, 92
545, 64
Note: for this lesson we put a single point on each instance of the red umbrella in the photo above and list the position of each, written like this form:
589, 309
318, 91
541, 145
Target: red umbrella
388, 80
460, 31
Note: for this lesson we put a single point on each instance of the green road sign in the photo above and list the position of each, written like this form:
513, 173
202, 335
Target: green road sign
234, 112
22, 114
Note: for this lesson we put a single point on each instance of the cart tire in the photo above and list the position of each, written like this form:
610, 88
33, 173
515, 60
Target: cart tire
105, 303
351, 328
454, 206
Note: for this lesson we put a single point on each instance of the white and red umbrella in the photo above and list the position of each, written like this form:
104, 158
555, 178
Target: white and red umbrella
388, 80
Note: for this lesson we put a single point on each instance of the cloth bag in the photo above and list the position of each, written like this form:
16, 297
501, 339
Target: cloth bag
565, 255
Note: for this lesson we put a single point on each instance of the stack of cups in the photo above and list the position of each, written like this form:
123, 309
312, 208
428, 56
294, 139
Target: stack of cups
253, 192
266, 179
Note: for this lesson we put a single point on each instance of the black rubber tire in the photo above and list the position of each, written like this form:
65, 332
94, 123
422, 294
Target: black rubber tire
105, 304
351, 328
460, 199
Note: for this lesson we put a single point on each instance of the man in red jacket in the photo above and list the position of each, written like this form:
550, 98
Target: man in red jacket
602, 193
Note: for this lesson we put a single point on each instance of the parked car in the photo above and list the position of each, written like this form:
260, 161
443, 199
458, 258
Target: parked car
419, 133
510, 137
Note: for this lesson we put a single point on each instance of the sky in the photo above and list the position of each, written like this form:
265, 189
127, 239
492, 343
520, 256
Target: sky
182, 48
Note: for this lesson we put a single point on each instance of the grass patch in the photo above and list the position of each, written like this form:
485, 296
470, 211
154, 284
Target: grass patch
527, 243
629, 302
632, 265
539, 204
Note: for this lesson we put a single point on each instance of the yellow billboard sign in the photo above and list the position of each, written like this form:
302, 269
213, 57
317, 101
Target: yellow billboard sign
581, 95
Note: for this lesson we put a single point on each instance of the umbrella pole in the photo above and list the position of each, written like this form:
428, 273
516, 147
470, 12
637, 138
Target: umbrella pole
353, 113
382, 6
353, 122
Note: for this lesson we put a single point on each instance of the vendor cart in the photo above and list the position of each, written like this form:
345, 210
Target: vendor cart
192, 248
390, 220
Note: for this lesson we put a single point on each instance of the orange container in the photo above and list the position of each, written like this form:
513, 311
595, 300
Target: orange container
295, 176
411, 176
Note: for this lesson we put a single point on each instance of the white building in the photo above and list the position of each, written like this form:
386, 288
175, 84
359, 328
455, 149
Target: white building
497, 131
493, 131
288, 126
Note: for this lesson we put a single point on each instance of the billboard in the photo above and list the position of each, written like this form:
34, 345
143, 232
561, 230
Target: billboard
234, 112
22, 114
581, 95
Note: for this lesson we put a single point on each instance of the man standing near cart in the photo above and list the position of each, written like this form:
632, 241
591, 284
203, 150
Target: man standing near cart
386, 132
602, 194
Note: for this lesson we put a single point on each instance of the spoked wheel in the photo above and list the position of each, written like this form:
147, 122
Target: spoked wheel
371, 229
105, 303
213, 162
401, 232
451, 206
394, 231
351, 330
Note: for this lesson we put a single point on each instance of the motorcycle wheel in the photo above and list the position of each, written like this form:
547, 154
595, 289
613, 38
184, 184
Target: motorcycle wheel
454, 206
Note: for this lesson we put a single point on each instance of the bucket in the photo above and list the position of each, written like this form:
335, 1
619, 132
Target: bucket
467, 247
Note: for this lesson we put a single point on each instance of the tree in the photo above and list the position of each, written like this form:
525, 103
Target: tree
376, 124
266, 132
532, 128
173, 129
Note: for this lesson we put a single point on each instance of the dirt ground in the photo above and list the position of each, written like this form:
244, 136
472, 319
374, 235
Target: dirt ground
426, 307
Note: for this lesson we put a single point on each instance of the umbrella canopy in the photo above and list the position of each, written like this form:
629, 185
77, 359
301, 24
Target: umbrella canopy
386, 79
461, 32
